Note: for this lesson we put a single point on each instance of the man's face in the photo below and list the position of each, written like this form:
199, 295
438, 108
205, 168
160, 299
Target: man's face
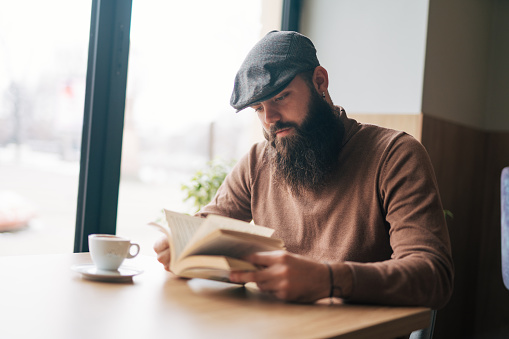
286, 110
304, 135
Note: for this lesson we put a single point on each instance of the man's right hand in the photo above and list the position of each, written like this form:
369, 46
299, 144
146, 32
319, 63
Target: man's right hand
162, 248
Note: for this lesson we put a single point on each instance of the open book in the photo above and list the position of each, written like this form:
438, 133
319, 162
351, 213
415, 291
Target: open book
212, 247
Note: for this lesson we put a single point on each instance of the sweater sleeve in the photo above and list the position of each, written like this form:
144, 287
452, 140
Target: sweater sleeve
420, 271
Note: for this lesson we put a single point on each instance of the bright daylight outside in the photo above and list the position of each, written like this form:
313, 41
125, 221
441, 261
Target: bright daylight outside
43, 61
182, 62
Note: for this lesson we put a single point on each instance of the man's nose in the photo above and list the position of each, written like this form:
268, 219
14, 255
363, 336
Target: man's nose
271, 114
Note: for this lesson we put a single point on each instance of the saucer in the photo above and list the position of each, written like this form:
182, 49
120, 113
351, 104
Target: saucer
123, 274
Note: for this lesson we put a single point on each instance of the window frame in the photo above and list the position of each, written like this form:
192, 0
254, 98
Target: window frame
103, 120
291, 15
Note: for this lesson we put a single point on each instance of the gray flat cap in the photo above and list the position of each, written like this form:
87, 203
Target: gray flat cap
270, 66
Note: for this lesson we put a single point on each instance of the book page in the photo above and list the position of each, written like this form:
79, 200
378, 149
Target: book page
214, 222
182, 227
232, 244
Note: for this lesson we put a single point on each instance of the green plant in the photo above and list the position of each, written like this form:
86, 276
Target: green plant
449, 214
204, 183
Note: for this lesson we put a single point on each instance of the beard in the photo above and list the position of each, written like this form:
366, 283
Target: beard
305, 159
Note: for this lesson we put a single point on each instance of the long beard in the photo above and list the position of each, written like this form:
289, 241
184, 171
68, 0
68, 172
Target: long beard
305, 159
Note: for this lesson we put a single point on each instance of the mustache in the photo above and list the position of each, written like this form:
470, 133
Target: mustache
279, 126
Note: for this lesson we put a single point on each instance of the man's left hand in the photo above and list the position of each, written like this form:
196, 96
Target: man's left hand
287, 276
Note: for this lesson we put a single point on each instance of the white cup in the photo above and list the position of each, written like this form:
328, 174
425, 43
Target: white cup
109, 251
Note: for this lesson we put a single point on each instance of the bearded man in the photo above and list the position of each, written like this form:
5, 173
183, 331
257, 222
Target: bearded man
357, 205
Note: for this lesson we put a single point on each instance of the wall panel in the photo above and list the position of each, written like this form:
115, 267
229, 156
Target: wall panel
492, 314
467, 164
456, 153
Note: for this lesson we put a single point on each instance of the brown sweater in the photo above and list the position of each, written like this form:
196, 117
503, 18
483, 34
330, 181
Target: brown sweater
381, 213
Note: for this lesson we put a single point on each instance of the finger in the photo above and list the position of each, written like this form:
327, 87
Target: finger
164, 258
242, 277
261, 277
271, 285
275, 290
161, 244
162, 248
265, 258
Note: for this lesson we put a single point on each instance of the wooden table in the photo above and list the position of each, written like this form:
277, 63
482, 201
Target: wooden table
41, 297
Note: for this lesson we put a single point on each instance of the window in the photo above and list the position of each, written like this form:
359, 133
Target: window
43, 60
182, 63
183, 58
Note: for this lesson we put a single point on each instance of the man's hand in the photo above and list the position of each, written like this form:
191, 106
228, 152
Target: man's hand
162, 248
287, 276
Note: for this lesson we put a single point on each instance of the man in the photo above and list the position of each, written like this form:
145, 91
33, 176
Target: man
356, 205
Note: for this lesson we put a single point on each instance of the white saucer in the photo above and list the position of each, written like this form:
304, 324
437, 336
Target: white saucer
123, 274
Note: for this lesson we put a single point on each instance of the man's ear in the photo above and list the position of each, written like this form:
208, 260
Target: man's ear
321, 79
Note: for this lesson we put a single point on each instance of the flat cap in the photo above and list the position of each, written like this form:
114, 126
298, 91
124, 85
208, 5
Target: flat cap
270, 66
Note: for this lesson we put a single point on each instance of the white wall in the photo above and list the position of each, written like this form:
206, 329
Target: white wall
467, 69
456, 73
373, 49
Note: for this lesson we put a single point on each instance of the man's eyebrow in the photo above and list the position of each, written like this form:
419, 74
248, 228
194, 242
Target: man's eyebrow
286, 89
282, 92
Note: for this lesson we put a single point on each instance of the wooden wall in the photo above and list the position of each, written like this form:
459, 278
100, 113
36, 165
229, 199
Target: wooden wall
492, 316
410, 123
468, 163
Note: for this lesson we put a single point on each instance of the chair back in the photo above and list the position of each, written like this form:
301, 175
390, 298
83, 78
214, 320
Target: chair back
426, 333
504, 199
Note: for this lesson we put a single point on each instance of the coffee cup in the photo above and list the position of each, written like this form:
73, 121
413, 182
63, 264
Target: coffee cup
109, 251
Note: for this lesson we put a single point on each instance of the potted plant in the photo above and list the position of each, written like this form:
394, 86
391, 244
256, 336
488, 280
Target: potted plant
204, 183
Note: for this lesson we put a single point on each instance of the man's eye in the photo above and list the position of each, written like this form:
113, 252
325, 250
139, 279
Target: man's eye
257, 109
281, 97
